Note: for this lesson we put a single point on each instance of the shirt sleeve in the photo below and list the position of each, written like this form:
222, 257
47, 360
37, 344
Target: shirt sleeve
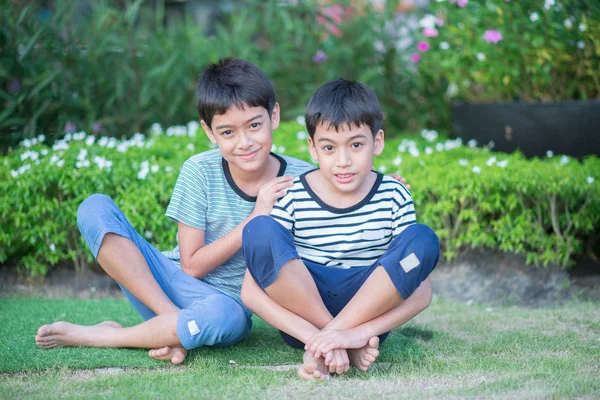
404, 210
189, 201
283, 212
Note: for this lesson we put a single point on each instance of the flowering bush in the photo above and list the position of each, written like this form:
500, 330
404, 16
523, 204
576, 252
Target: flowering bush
546, 209
502, 50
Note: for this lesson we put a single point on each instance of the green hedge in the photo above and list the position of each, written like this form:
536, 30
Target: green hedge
548, 210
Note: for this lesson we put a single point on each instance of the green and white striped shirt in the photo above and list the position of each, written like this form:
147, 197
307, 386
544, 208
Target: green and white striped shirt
206, 197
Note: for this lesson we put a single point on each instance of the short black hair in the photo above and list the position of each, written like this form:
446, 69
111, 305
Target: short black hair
233, 81
343, 102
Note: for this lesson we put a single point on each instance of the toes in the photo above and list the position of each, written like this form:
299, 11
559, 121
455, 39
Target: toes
374, 342
310, 367
368, 358
178, 357
44, 330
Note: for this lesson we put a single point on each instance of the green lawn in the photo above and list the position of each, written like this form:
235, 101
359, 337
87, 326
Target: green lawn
451, 350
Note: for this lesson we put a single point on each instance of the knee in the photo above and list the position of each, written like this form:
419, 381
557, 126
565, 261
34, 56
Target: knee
425, 238
255, 231
230, 320
91, 207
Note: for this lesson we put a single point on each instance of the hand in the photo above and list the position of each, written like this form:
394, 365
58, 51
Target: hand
338, 362
269, 193
400, 179
328, 340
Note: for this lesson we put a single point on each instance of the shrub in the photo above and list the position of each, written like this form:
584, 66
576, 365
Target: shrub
546, 209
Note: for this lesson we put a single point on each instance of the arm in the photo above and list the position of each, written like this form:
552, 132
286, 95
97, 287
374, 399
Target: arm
198, 259
272, 313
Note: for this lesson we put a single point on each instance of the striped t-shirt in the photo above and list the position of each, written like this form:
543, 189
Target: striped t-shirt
206, 197
350, 237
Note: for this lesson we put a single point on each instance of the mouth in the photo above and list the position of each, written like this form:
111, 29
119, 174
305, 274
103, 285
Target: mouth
248, 156
344, 178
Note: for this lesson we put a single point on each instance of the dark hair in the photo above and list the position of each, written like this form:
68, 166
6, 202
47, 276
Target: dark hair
229, 82
343, 102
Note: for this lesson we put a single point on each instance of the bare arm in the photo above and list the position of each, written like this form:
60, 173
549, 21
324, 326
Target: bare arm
198, 259
272, 313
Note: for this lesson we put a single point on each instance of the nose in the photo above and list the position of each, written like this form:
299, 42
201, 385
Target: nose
245, 140
343, 159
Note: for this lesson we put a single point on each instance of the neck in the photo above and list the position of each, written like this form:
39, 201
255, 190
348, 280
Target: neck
243, 178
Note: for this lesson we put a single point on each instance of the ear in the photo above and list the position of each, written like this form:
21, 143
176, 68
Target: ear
208, 132
275, 117
312, 150
379, 143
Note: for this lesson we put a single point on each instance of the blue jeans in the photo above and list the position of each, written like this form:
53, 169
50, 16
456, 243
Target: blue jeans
208, 317
409, 260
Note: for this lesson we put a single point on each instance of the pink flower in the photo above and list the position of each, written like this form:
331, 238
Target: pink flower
439, 21
430, 32
462, 3
492, 36
422, 46
415, 58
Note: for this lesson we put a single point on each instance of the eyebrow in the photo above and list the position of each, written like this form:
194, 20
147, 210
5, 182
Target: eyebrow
257, 116
358, 136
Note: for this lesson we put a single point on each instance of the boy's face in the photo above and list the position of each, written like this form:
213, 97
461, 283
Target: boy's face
244, 137
345, 157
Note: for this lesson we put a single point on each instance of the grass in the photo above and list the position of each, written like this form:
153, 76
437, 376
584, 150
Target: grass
451, 350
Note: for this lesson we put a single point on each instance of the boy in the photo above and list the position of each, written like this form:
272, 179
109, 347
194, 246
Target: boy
340, 261
189, 297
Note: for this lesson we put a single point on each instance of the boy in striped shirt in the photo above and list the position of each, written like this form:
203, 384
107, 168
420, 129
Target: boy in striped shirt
341, 260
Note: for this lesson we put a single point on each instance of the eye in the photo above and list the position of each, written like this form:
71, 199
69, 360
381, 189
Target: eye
328, 147
356, 145
227, 133
255, 125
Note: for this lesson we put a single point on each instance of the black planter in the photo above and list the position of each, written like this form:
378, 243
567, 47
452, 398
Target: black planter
565, 127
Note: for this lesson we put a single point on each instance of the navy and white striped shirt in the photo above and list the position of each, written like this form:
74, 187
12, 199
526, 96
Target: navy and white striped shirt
344, 238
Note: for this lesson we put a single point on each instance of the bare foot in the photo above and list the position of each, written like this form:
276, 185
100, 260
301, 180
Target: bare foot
61, 334
364, 357
174, 354
313, 368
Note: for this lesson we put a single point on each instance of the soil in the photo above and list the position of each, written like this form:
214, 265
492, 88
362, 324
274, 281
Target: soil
483, 277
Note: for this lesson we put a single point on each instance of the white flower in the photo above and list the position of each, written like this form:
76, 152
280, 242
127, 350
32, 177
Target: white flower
549, 154
42, 137
103, 141
397, 161
401, 147
300, 120
548, 4
464, 162
112, 143
90, 140
44, 152
68, 137
148, 234
568, 23
491, 144
154, 169
122, 147
82, 164
564, 160
79, 136
82, 155
190, 147
192, 128
301, 135
534, 16
439, 147
429, 135
428, 21
168, 169
52, 247
60, 163
477, 170
14, 173
382, 169
444, 45
452, 89
481, 56
145, 165
581, 44
379, 46
589, 179
472, 143
26, 143
156, 129
281, 149
142, 174
582, 28
428, 150
502, 164
491, 161
414, 152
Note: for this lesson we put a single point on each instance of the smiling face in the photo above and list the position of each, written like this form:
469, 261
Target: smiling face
345, 156
244, 137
